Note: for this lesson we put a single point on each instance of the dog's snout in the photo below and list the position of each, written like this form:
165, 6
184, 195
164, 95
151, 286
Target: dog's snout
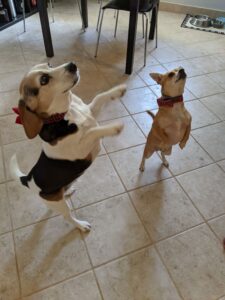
182, 73
71, 67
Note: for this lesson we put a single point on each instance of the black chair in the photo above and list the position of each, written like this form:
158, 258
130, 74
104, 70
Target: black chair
145, 6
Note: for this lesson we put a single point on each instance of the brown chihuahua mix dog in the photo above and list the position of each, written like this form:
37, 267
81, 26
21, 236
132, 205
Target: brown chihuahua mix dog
172, 123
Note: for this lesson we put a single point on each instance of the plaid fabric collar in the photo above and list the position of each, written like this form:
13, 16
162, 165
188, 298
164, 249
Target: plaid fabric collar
169, 101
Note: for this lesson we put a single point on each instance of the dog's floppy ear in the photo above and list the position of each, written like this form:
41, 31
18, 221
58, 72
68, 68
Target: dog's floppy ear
31, 122
157, 77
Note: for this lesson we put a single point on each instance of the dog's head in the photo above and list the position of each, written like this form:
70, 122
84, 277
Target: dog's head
44, 91
172, 82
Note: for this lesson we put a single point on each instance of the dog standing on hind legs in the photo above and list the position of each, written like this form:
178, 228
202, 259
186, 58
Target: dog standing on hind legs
69, 130
172, 123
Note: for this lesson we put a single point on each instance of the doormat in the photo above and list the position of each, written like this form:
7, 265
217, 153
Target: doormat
186, 24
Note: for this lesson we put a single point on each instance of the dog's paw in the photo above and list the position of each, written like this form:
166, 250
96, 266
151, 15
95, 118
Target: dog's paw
84, 226
118, 91
142, 168
117, 128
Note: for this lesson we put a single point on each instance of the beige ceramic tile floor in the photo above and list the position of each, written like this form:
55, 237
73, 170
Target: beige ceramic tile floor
155, 235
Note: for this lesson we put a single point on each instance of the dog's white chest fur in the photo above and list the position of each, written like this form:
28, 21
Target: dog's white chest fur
72, 147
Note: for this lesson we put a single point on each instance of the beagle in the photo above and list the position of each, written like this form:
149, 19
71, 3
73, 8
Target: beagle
172, 123
69, 130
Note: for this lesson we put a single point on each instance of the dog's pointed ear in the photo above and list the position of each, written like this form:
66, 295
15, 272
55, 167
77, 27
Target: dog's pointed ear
31, 122
157, 77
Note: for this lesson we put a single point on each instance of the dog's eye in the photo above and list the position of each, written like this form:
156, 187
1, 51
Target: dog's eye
44, 79
171, 74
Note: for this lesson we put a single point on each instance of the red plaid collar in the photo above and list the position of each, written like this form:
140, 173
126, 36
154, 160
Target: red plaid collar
52, 119
169, 101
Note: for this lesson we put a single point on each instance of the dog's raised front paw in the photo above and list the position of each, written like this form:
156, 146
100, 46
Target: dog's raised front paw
84, 226
118, 91
117, 128
182, 145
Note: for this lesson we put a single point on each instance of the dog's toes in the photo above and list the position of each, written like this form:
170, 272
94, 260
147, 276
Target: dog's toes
118, 128
166, 164
84, 226
141, 168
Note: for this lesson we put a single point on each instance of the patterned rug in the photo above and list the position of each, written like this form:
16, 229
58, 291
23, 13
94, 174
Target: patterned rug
186, 24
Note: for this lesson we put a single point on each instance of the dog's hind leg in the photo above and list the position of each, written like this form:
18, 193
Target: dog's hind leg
164, 160
65, 209
101, 99
148, 151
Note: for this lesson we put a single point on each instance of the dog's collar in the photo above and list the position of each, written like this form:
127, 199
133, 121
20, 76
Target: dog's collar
52, 119
169, 101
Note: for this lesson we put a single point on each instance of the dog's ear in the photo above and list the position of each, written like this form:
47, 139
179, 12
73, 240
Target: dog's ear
31, 122
157, 77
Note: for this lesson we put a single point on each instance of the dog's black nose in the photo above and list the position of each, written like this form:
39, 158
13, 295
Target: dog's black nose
182, 73
71, 67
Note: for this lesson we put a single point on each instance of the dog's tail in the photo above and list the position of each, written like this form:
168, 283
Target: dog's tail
14, 168
151, 114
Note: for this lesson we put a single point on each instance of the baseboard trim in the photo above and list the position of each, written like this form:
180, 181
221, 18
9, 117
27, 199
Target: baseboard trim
185, 9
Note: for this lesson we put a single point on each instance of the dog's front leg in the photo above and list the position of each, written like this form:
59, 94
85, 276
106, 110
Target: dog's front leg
101, 99
186, 137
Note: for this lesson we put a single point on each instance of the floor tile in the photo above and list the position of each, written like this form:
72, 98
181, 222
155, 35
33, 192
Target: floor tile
112, 110
216, 104
11, 81
27, 153
91, 186
2, 172
208, 138
81, 287
140, 275
208, 64
206, 188
11, 132
5, 222
218, 77
196, 263
201, 116
129, 170
222, 164
130, 136
144, 74
49, 252
191, 157
8, 100
218, 225
114, 222
26, 207
144, 121
9, 289
139, 100
166, 55
165, 209
202, 86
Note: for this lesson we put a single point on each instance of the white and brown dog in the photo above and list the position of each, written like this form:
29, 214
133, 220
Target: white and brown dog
172, 123
71, 135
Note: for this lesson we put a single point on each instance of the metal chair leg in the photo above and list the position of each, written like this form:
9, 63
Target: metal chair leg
52, 10
99, 33
117, 17
143, 26
24, 16
146, 38
156, 27
99, 14
83, 27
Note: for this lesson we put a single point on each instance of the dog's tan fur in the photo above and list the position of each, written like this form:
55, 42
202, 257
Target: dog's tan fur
171, 125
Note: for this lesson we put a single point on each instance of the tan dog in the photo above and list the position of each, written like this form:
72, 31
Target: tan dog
172, 124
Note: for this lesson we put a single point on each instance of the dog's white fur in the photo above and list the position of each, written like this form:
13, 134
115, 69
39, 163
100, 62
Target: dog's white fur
74, 146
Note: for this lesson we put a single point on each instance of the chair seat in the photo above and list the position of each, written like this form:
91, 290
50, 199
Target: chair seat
144, 5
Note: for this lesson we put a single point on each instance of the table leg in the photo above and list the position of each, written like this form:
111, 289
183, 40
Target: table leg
134, 4
84, 12
43, 14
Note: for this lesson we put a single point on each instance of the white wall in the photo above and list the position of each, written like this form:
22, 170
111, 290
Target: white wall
214, 4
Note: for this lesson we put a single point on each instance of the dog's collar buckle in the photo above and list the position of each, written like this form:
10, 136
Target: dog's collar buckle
169, 101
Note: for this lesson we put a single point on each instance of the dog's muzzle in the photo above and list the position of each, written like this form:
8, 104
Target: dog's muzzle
71, 68
182, 74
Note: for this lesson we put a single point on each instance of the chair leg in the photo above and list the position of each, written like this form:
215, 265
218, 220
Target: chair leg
99, 14
79, 7
146, 38
117, 17
143, 26
99, 33
24, 22
52, 11
156, 30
